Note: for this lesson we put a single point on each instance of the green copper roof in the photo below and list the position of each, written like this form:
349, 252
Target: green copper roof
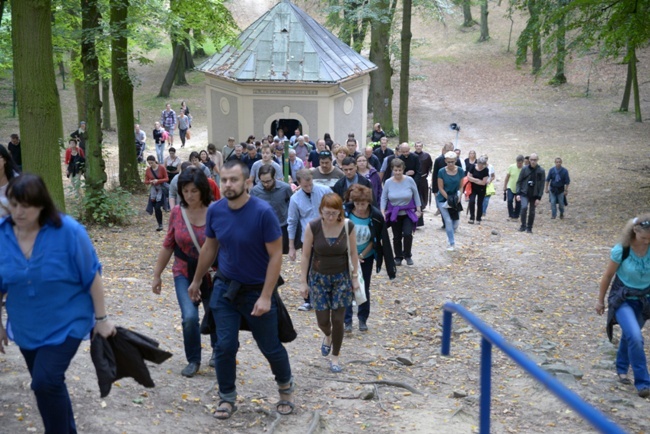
287, 45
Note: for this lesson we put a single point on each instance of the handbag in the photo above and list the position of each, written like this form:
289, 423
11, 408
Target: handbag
490, 190
359, 293
188, 135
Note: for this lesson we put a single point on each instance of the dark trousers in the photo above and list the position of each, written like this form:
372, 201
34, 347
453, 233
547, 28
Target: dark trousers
47, 366
183, 134
363, 311
514, 207
476, 200
423, 190
402, 228
157, 208
527, 210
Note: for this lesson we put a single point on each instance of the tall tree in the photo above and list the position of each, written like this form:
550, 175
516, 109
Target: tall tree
381, 90
39, 108
106, 103
123, 95
485, 32
405, 71
531, 37
468, 21
95, 166
561, 51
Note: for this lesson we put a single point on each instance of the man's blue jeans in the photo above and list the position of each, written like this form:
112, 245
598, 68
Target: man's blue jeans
47, 366
190, 318
228, 317
514, 207
450, 225
363, 310
556, 200
630, 350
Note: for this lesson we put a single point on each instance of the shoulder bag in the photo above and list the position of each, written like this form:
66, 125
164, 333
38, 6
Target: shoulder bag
359, 293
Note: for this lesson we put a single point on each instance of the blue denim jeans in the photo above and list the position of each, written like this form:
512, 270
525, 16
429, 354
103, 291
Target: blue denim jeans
556, 200
47, 366
363, 311
630, 350
190, 318
486, 201
228, 317
160, 148
450, 225
514, 207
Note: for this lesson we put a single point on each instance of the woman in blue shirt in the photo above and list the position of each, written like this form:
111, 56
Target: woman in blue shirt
629, 300
50, 274
449, 178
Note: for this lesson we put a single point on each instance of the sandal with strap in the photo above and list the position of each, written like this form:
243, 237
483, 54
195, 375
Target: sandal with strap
622, 378
288, 391
228, 411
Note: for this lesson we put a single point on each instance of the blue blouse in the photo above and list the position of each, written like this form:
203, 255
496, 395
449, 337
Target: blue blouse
48, 295
634, 272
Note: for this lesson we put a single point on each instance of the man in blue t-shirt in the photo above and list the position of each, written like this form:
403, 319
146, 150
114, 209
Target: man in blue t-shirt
245, 233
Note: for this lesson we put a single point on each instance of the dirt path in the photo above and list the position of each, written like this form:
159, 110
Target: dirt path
537, 290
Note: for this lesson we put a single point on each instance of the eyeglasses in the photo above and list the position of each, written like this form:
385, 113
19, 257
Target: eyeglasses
324, 154
330, 213
644, 224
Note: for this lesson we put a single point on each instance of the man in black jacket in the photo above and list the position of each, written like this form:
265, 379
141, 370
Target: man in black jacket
351, 177
426, 163
411, 161
530, 188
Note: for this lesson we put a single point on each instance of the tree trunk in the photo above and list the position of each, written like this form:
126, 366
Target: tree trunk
189, 60
180, 79
198, 50
560, 45
381, 91
405, 72
468, 21
95, 166
485, 32
2, 9
625, 103
123, 97
635, 84
535, 37
168, 82
106, 104
37, 94
360, 35
78, 89
61, 69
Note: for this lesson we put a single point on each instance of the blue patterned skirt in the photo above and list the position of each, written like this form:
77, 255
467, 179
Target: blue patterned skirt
330, 291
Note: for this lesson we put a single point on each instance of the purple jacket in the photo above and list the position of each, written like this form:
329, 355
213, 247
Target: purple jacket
375, 181
393, 210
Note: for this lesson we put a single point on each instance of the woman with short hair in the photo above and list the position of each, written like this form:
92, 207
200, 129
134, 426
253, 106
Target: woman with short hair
447, 198
478, 175
156, 178
402, 207
629, 300
371, 174
329, 282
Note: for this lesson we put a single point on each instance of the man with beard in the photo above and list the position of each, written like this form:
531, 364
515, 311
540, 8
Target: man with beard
426, 164
277, 194
243, 230
351, 177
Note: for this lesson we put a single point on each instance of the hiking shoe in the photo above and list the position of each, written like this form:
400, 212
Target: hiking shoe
409, 261
522, 228
348, 328
529, 231
305, 307
362, 326
398, 262
471, 222
160, 228
561, 216
190, 370
644, 393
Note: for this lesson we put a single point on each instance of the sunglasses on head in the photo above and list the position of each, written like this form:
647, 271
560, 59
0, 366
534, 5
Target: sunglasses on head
325, 154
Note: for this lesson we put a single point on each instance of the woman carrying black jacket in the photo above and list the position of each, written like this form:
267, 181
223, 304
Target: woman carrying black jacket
373, 243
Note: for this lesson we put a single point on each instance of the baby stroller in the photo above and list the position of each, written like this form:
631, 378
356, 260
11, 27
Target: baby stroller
139, 150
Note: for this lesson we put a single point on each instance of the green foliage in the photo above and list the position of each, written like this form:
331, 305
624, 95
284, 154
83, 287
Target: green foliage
6, 52
105, 207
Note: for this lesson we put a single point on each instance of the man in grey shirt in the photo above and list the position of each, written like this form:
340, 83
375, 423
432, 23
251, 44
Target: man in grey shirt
277, 194
326, 174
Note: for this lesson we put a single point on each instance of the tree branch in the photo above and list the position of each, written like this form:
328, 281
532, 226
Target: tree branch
379, 382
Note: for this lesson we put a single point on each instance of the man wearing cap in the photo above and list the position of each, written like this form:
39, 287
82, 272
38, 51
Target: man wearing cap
326, 174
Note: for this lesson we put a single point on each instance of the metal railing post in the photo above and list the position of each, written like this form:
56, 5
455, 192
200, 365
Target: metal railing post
486, 385
446, 332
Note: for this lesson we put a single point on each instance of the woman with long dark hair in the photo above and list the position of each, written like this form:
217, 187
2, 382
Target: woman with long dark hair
54, 290
195, 197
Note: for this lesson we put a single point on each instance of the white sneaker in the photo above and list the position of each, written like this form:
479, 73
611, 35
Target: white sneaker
451, 248
305, 307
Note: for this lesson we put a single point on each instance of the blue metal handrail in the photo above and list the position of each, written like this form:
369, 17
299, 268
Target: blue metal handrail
491, 337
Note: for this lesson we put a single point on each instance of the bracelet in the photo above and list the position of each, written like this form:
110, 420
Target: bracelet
101, 318
355, 274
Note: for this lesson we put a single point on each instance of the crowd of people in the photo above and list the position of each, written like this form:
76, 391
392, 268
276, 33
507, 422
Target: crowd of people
333, 202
